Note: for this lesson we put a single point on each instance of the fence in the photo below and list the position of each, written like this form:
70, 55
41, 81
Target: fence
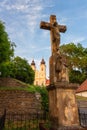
30, 121
25, 121
83, 117
2, 120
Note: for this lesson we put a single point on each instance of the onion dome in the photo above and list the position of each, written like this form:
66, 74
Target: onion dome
33, 63
42, 62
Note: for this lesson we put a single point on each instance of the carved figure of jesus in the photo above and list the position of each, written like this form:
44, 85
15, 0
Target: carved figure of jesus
57, 69
55, 37
55, 30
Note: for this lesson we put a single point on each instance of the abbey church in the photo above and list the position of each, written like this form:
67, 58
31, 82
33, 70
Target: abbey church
40, 75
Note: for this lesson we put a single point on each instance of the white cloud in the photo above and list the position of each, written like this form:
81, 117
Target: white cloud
38, 8
29, 11
21, 5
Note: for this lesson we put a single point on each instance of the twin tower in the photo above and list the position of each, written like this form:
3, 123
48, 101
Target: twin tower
40, 75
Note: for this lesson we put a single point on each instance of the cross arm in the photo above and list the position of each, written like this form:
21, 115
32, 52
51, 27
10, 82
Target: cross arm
62, 28
45, 25
48, 26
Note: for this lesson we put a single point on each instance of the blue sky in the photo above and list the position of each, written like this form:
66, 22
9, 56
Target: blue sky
22, 20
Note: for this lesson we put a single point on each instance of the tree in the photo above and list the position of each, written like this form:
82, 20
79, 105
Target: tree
17, 67
6, 50
76, 56
6, 47
6, 69
21, 70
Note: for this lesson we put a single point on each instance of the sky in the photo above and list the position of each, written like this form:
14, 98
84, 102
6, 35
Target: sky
22, 21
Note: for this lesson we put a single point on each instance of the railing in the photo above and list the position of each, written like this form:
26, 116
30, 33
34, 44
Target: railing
31, 121
2, 120
25, 121
83, 117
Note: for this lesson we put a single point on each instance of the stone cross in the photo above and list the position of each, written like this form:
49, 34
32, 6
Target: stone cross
55, 30
63, 108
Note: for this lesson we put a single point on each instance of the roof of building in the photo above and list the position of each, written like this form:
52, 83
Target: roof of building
47, 81
32, 63
42, 62
82, 87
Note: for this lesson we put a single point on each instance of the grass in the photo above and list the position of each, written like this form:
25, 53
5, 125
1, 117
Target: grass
28, 88
23, 86
81, 98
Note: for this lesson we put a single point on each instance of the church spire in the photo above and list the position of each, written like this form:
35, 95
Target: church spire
42, 62
32, 63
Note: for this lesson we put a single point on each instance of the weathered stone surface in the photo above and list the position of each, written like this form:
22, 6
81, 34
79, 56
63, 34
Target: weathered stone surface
63, 107
11, 82
58, 69
64, 85
18, 101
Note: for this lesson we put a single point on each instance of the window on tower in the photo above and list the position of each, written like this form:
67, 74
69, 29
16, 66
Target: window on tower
36, 82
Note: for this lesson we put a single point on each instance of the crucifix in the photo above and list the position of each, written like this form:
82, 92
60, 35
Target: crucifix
56, 63
55, 30
63, 108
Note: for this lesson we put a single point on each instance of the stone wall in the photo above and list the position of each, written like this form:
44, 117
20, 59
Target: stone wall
10, 82
18, 101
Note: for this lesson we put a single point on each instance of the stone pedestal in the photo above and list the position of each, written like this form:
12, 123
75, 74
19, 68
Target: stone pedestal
63, 106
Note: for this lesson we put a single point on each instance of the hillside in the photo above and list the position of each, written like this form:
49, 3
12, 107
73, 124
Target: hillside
11, 83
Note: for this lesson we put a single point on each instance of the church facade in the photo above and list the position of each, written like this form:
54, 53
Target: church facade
40, 75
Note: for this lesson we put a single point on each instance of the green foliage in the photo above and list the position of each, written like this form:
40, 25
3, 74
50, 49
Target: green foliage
76, 76
21, 70
76, 56
6, 51
6, 69
6, 47
44, 95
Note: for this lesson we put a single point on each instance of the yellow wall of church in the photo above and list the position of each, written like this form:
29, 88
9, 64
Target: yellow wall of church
40, 75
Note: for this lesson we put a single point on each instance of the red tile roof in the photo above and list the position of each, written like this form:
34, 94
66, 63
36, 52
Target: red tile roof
47, 82
82, 87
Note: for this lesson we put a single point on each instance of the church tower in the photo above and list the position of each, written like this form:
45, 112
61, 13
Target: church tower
42, 73
33, 66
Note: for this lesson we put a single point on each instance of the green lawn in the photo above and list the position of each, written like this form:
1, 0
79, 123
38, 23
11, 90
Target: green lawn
29, 88
81, 98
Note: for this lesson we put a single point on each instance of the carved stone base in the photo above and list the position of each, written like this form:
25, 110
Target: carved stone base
63, 106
